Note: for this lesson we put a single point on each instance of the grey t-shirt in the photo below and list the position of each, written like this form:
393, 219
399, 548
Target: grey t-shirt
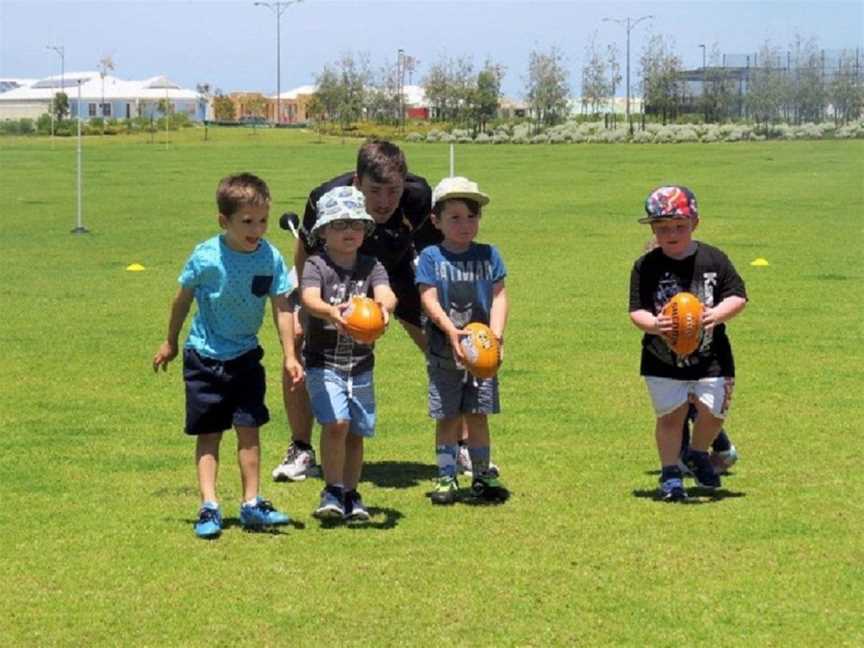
323, 346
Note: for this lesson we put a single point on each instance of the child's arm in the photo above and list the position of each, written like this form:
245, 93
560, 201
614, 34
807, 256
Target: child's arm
317, 307
284, 319
722, 312
386, 299
650, 323
179, 310
498, 314
429, 300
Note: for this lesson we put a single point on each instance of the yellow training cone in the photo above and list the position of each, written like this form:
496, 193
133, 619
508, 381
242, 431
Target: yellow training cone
135, 267
759, 263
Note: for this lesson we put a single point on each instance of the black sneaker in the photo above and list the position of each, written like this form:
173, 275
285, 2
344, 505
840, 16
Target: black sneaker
488, 487
355, 511
703, 472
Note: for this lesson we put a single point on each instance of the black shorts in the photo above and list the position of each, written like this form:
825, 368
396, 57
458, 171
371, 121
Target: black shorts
222, 394
403, 286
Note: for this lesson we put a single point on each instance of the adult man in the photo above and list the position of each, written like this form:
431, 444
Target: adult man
400, 204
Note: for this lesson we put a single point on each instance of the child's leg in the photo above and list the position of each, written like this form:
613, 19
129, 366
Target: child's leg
478, 442
249, 459
447, 432
333, 452
207, 464
668, 432
705, 428
353, 461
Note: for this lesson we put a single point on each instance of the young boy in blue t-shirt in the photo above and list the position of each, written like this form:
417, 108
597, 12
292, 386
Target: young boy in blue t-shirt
461, 281
229, 276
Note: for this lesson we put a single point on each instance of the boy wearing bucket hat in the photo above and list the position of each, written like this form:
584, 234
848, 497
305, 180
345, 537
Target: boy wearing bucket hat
461, 281
399, 204
339, 368
706, 377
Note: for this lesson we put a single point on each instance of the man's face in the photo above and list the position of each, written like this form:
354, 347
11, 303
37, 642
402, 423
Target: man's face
382, 198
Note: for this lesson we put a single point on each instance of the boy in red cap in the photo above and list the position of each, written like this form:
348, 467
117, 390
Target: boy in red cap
706, 377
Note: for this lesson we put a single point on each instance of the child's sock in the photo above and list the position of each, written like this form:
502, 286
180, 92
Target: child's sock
721, 443
251, 502
209, 504
479, 460
337, 490
670, 472
446, 456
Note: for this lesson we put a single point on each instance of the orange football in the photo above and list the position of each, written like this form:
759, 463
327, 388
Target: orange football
482, 353
364, 320
685, 309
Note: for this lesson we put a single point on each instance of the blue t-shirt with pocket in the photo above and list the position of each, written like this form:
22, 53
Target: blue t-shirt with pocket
230, 288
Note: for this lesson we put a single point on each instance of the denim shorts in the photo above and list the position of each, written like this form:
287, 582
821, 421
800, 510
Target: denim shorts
453, 392
221, 394
339, 396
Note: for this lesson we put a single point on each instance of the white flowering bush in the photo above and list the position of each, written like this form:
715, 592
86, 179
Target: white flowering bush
642, 137
415, 137
500, 138
434, 135
540, 138
522, 130
483, 138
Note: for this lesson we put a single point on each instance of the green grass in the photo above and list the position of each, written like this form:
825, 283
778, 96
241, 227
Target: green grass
97, 485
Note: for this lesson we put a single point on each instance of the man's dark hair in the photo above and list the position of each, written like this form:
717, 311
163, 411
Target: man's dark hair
381, 161
241, 190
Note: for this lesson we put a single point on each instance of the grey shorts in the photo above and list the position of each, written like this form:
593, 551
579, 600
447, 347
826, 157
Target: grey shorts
453, 392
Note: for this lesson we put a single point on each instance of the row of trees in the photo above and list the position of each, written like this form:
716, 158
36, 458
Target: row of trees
349, 90
796, 87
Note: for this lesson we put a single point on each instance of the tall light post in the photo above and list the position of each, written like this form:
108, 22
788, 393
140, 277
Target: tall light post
702, 45
629, 24
61, 51
79, 222
278, 8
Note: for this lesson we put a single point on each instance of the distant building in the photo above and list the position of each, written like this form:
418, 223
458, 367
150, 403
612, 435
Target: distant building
100, 96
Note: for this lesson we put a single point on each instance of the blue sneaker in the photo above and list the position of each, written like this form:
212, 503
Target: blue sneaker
261, 514
330, 507
209, 524
355, 511
672, 490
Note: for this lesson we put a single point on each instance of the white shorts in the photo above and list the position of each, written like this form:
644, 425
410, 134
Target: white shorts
668, 394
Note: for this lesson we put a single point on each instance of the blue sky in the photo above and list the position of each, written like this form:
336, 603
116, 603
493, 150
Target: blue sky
232, 45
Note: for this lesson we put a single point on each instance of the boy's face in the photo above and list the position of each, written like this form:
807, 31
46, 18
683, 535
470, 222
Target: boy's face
382, 198
344, 236
674, 235
245, 228
457, 223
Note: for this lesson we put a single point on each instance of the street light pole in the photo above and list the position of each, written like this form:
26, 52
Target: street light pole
629, 24
79, 223
278, 8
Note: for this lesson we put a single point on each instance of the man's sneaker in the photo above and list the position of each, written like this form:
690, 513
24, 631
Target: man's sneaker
354, 509
489, 488
702, 470
261, 514
209, 524
330, 507
724, 460
445, 491
672, 490
296, 466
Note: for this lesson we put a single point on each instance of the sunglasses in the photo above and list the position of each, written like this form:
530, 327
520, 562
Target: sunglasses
356, 225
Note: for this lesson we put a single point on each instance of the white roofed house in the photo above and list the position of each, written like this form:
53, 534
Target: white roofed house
100, 96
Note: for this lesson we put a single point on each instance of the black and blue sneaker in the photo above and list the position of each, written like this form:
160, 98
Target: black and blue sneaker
699, 465
209, 523
261, 514
672, 490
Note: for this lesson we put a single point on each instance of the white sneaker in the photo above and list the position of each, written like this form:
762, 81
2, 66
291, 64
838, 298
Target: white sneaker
463, 461
296, 466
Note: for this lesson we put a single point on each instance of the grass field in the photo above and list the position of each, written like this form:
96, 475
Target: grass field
97, 485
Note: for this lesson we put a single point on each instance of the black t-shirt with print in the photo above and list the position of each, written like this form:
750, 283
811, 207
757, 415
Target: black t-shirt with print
393, 243
708, 274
